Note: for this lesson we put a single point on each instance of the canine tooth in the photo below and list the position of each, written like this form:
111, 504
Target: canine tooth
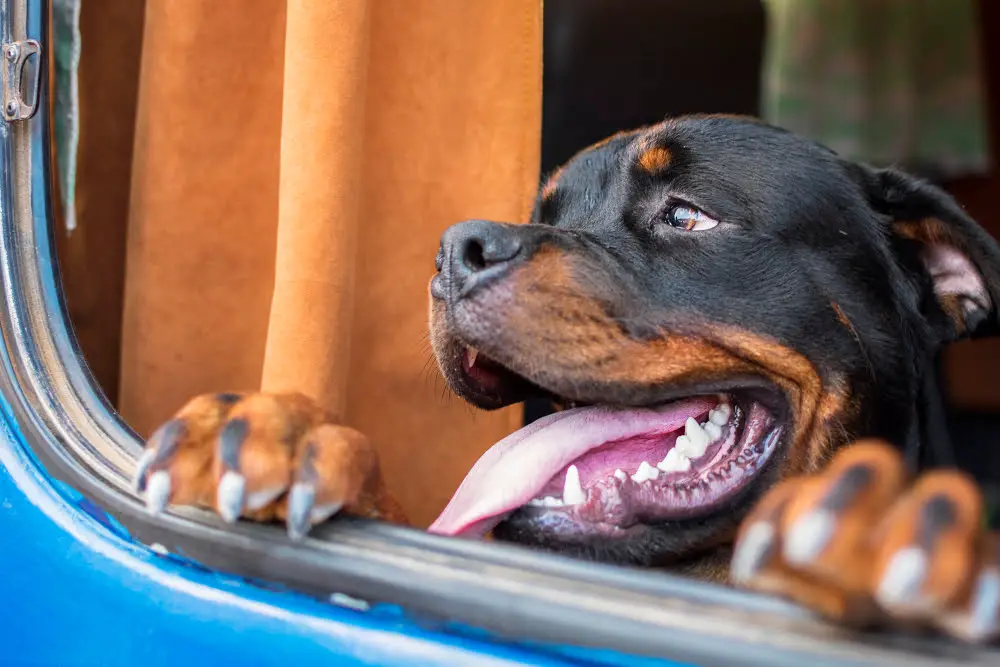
645, 472
720, 414
714, 430
471, 356
552, 501
621, 475
536, 502
674, 461
572, 491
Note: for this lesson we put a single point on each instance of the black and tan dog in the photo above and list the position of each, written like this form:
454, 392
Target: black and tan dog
741, 327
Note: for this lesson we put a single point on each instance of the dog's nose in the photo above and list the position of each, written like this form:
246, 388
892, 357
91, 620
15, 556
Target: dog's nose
473, 252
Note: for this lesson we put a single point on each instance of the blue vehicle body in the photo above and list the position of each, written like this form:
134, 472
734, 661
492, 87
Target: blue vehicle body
76, 590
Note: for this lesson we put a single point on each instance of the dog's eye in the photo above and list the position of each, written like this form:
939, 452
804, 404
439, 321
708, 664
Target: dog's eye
688, 218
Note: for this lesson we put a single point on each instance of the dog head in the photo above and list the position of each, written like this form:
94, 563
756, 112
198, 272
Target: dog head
719, 304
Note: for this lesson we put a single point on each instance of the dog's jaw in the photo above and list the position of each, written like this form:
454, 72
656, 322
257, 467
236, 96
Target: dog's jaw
586, 472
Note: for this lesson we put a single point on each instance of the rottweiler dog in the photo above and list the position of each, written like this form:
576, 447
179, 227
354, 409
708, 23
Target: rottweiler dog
741, 329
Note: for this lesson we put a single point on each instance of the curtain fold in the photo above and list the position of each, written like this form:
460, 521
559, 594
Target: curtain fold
202, 220
292, 174
452, 131
322, 153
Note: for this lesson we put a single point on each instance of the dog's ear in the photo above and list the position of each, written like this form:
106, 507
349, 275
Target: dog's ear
958, 260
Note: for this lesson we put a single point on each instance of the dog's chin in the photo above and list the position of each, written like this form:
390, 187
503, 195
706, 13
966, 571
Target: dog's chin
645, 478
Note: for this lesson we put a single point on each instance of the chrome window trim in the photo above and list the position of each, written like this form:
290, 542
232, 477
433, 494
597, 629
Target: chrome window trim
510, 591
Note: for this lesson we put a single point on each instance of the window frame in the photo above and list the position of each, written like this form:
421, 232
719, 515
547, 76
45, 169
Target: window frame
79, 439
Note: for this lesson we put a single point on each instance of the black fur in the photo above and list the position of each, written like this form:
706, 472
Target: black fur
802, 233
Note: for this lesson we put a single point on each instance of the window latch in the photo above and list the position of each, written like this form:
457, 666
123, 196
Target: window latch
21, 80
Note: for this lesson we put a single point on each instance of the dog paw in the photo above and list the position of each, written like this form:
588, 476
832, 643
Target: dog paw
262, 457
863, 545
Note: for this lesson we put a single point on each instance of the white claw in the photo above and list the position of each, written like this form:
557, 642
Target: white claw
230, 496
903, 577
321, 513
158, 491
572, 491
258, 499
752, 552
984, 622
808, 537
142, 467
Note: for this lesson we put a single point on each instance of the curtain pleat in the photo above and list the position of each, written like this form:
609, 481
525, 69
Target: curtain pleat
204, 202
322, 153
293, 172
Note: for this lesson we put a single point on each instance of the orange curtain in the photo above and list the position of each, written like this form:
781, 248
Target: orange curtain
294, 164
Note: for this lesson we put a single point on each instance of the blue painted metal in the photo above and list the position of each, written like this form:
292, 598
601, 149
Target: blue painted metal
75, 590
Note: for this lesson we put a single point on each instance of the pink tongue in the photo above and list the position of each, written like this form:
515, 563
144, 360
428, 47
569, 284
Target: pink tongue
512, 471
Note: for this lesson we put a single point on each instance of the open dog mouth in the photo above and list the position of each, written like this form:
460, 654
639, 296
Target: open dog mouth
606, 470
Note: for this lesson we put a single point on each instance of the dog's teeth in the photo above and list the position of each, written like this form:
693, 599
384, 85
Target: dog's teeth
645, 472
690, 448
621, 475
696, 439
674, 461
720, 414
572, 491
714, 430
536, 502
695, 433
552, 501
471, 355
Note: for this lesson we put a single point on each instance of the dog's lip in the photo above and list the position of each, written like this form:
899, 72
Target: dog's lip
505, 384
487, 383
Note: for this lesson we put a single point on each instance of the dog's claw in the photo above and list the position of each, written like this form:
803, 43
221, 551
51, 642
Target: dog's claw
262, 457
142, 470
861, 545
904, 576
158, 491
301, 499
230, 496
984, 621
809, 536
751, 552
